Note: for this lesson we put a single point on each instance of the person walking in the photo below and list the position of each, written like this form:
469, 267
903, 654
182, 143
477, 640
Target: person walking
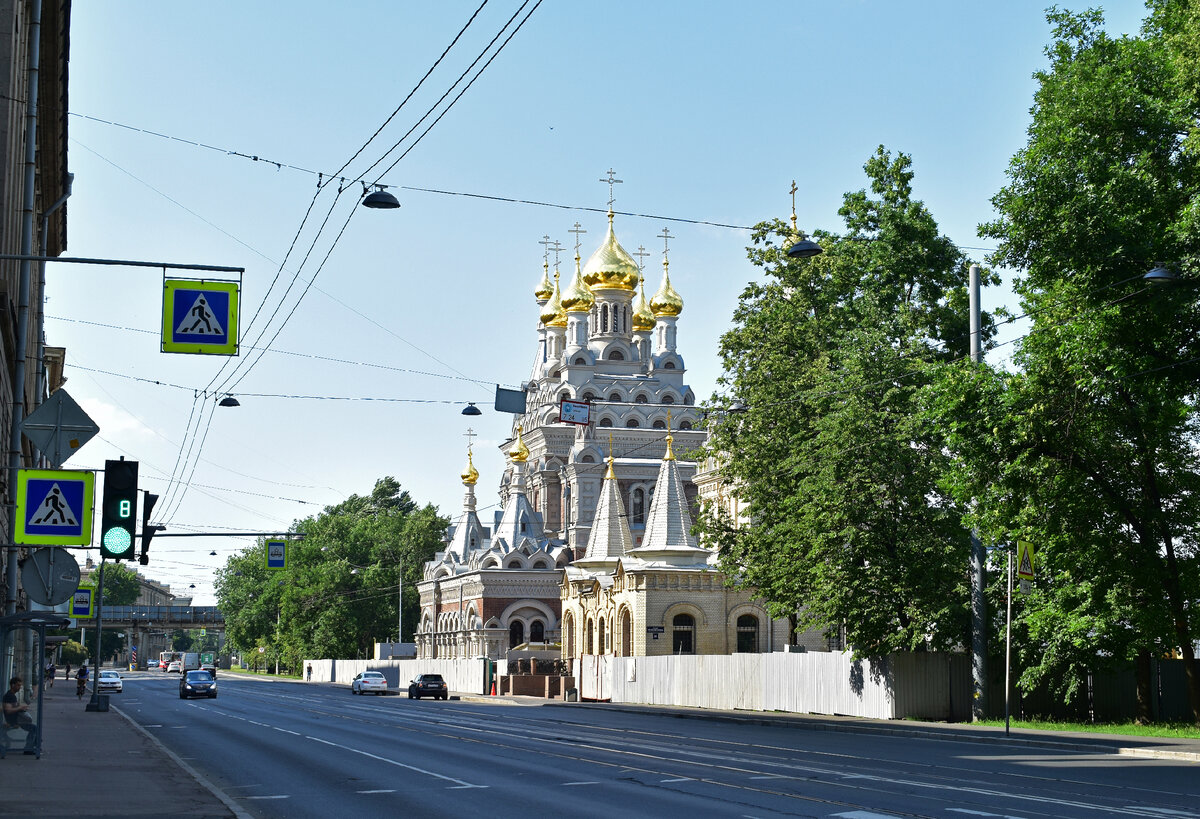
310, 672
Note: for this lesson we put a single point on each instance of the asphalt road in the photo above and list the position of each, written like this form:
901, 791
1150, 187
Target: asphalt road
288, 749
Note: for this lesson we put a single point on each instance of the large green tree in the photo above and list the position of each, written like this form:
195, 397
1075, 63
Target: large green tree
818, 429
1089, 449
340, 591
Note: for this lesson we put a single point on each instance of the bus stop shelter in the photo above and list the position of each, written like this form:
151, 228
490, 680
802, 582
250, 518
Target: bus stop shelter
23, 649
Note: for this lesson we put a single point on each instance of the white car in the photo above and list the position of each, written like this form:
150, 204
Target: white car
110, 681
373, 681
175, 667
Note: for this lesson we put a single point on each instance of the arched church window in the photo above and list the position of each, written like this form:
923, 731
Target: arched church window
587, 459
605, 422
685, 425
600, 647
616, 355
670, 365
604, 318
632, 423
516, 633
581, 360
668, 399
689, 399
660, 424
642, 399
683, 634
537, 632
568, 634
626, 634
588, 644
541, 564
565, 395
747, 634
616, 318
616, 396
637, 506
587, 396
513, 564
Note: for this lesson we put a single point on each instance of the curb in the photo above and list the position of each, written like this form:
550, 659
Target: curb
237, 810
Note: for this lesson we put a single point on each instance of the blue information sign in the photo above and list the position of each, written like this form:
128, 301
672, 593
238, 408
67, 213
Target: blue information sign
276, 554
200, 317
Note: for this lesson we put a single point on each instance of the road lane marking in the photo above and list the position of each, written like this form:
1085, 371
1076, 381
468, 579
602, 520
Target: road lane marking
679, 779
381, 790
286, 731
276, 796
458, 782
580, 783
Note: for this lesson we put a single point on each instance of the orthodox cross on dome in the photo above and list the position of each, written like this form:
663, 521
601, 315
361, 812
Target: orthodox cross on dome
578, 231
470, 435
545, 243
642, 253
611, 180
666, 237
793, 192
557, 248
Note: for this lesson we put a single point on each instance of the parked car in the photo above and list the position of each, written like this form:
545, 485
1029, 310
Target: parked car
175, 667
372, 681
196, 683
211, 669
428, 685
110, 681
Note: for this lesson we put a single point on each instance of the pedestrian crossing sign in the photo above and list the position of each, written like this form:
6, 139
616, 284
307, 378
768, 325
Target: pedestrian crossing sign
54, 507
200, 316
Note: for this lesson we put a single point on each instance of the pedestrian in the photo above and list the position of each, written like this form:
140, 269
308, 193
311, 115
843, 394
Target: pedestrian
16, 714
310, 672
67, 673
51, 671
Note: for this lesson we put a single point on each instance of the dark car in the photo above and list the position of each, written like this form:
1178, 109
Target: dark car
428, 685
197, 683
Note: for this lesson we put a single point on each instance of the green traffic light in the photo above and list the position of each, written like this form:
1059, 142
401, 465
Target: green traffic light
116, 541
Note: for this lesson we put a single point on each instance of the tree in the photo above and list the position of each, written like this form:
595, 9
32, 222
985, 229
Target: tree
121, 585
340, 591
850, 526
1089, 449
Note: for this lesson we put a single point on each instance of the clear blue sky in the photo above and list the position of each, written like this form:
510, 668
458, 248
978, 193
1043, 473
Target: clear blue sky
706, 110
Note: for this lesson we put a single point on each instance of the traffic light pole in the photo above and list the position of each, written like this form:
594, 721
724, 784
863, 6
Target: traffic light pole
94, 702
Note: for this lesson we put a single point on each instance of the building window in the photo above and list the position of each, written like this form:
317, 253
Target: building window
537, 632
642, 399
616, 355
516, 633
604, 318
632, 423
568, 632
637, 507
581, 361
747, 634
588, 644
601, 632
670, 365
668, 399
660, 424
683, 634
605, 422
686, 425
616, 396
626, 634
589, 397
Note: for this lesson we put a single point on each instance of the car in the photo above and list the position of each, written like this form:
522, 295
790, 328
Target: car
211, 669
197, 683
431, 685
110, 681
373, 681
175, 667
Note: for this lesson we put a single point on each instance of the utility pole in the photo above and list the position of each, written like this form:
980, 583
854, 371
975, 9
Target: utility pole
978, 550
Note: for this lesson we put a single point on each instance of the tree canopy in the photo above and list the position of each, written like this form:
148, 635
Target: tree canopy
340, 591
819, 433
1088, 448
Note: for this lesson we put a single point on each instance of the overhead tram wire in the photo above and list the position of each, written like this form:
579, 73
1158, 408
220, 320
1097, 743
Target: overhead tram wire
233, 379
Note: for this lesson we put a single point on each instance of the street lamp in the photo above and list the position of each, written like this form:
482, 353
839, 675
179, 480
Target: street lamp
380, 199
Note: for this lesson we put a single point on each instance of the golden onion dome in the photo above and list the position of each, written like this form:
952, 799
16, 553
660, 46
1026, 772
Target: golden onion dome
519, 452
577, 298
553, 314
544, 289
470, 477
611, 266
666, 301
643, 319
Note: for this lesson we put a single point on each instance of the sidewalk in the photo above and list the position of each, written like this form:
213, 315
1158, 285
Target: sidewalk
101, 764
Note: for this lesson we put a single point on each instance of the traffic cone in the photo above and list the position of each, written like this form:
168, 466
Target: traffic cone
493, 687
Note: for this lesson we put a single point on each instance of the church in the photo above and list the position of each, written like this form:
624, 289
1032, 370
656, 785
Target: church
592, 552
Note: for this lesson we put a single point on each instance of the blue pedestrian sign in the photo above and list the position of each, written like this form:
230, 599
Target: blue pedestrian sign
276, 554
54, 507
200, 316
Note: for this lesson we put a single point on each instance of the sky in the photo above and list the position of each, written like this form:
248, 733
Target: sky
206, 134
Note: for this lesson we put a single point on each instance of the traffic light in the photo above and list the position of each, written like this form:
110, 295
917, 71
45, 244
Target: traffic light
147, 529
117, 520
